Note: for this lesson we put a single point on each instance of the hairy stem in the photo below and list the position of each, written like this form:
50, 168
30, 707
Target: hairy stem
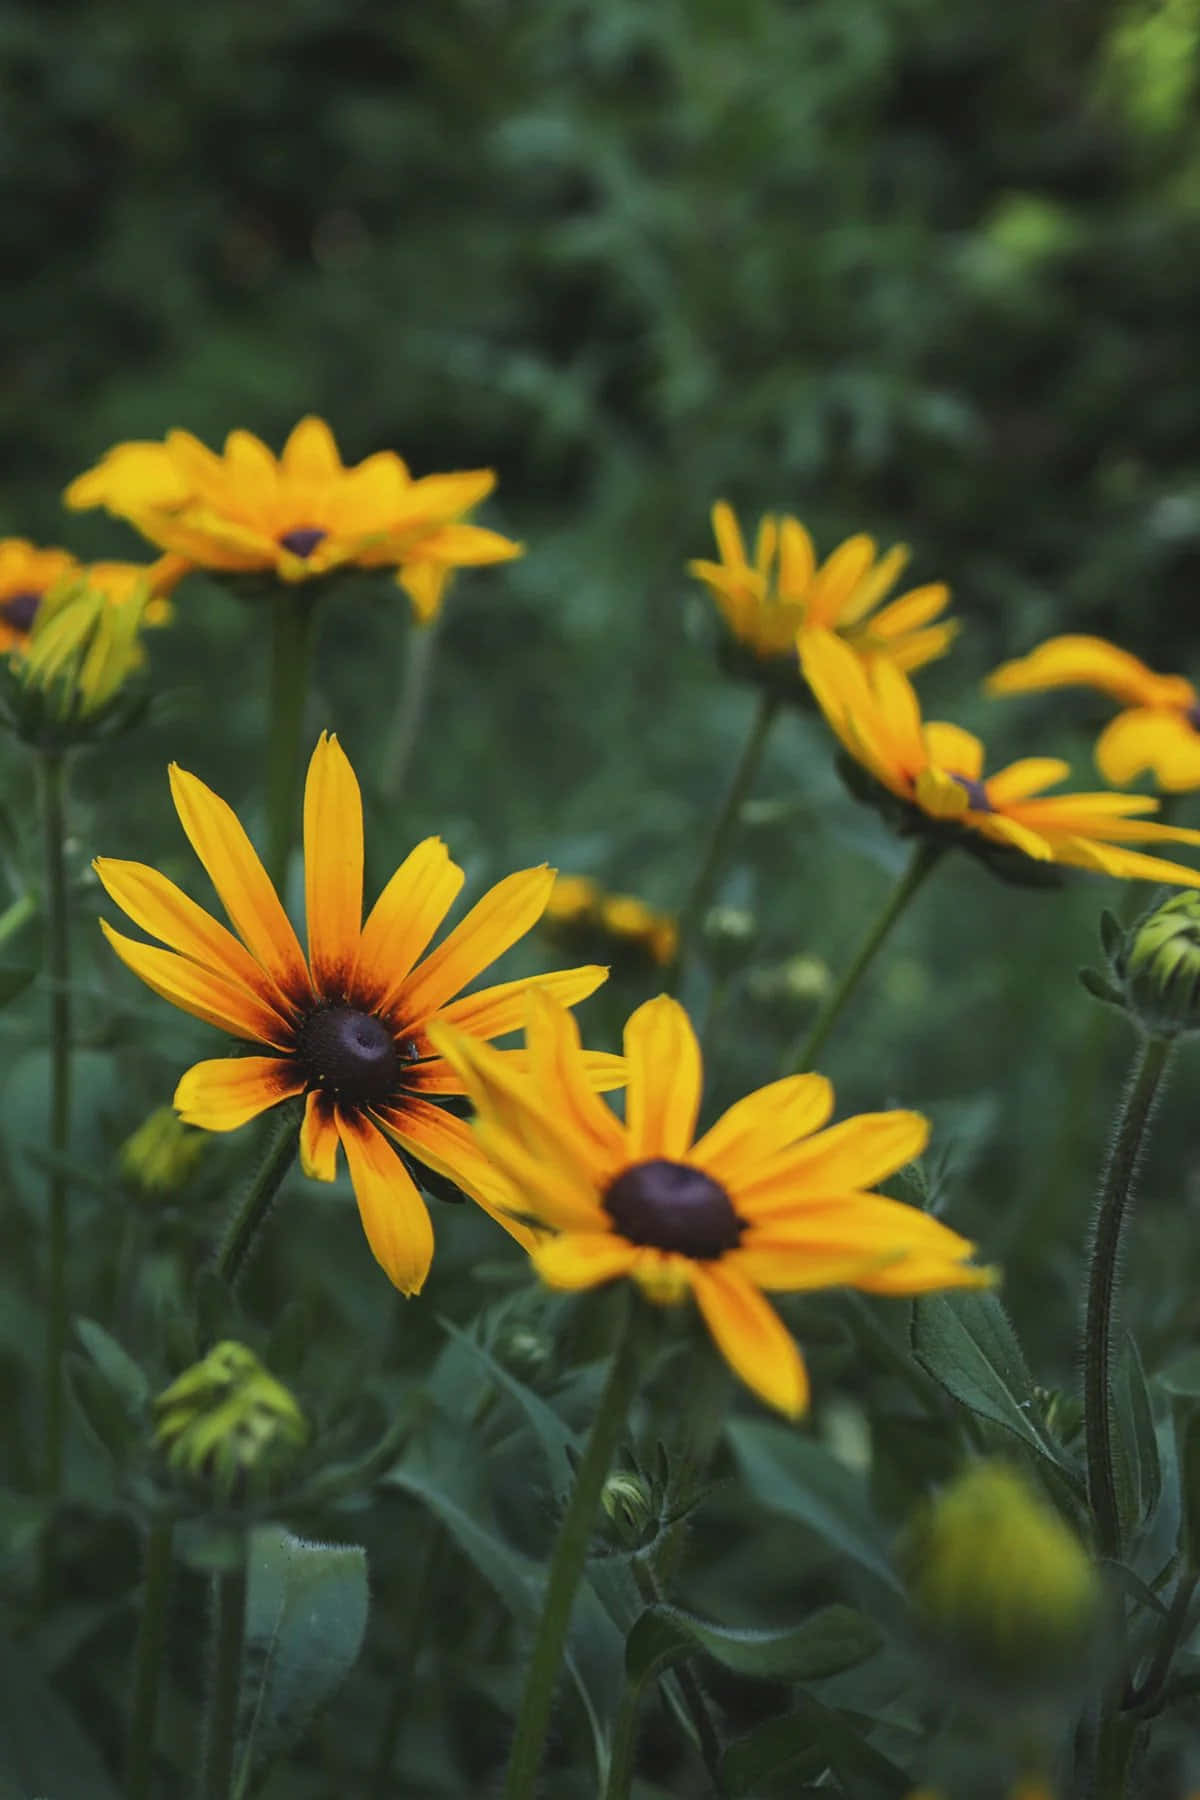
52, 787
249, 1216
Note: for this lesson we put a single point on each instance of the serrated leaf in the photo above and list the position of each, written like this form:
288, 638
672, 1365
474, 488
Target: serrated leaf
306, 1615
794, 1475
833, 1639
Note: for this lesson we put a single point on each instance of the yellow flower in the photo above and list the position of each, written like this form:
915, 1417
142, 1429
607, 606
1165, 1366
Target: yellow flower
936, 770
299, 517
783, 592
765, 1199
580, 910
28, 574
349, 1027
84, 646
1158, 731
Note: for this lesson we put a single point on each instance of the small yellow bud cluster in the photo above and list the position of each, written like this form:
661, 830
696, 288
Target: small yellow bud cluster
227, 1421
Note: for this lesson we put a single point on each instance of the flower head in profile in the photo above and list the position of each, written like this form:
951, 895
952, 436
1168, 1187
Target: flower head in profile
28, 573
580, 912
1157, 731
348, 1027
783, 592
765, 1199
936, 771
297, 517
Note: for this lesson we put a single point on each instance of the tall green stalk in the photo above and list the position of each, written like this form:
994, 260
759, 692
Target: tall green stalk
570, 1553
249, 1215
804, 1053
1116, 1193
692, 911
51, 770
404, 731
293, 634
151, 1642
225, 1680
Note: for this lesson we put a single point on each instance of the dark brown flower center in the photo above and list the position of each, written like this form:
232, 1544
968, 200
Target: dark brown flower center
673, 1207
302, 540
1192, 715
976, 793
20, 610
349, 1054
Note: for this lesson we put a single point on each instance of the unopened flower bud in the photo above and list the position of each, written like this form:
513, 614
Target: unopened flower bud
227, 1421
161, 1154
1000, 1585
84, 647
629, 1504
1159, 966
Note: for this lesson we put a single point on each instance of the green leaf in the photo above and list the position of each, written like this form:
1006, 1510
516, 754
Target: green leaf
792, 1474
833, 1639
118, 1368
306, 1614
1182, 1377
966, 1342
810, 1739
1136, 1465
513, 1578
14, 981
42, 1749
557, 1440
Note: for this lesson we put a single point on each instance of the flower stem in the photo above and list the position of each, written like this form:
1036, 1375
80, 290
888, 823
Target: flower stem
404, 732
624, 1738
804, 1053
1116, 1190
570, 1553
244, 1226
692, 911
225, 1679
292, 637
151, 1640
52, 787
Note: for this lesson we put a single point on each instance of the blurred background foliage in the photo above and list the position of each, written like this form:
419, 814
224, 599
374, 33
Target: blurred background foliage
927, 268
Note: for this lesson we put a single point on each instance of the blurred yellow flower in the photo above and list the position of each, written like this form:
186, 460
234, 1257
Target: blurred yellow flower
765, 1199
1158, 732
783, 592
580, 910
28, 573
84, 646
936, 769
298, 517
348, 1028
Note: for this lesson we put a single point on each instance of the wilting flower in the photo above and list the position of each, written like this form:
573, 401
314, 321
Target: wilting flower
28, 573
349, 1027
297, 518
580, 911
1159, 729
765, 1199
784, 592
936, 771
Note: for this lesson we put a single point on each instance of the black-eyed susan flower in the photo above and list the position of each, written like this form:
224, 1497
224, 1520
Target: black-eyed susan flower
936, 771
348, 1028
765, 1199
297, 517
1158, 730
580, 912
783, 592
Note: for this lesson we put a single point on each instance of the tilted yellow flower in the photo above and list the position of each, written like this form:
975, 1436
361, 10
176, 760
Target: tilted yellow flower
299, 517
784, 592
580, 909
349, 1027
765, 1199
936, 770
1158, 732
29, 572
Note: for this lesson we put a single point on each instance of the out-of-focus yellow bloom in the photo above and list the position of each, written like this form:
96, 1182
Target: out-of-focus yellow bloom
160, 1155
783, 593
299, 517
1158, 732
29, 573
580, 910
936, 770
228, 1421
83, 648
764, 1200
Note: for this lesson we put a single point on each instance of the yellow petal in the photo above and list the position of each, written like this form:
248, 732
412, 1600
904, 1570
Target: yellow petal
558, 1069
1144, 740
855, 1154
765, 1122
951, 748
449, 1146
912, 652
245, 890
201, 992
490, 1012
252, 474
581, 1260
797, 561
1029, 776
462, 546
662, 1097
940, 795
1076, 660
311, 454
319, 1138
166, 912
751, 1337
911, 610
333, 867
394, 1216
1014, 835
403, 920
225, 1093
492, 926
730, 546
833, 586
425, 584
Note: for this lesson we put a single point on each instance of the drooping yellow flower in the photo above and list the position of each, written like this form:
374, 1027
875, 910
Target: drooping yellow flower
349, 1027
765, 1199
936, 770
28, 573
784, 592
1158, 732
580, 910
298, 517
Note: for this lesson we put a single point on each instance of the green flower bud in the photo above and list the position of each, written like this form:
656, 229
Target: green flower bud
228, 1422
161, 1154
628, 1502
999, 1584
84, 647
1158, 964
